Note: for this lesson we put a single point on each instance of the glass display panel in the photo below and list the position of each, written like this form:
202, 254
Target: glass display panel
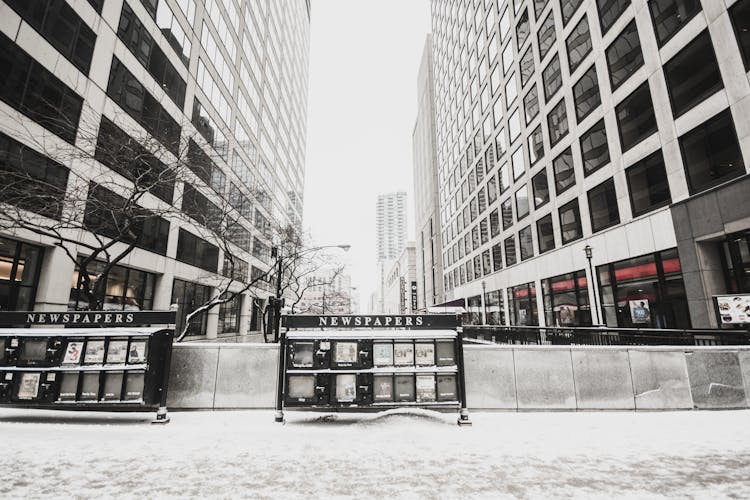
90, 386
134, 386
137, 352
117, 352
301, 386
383, 387
3, 346
112, 386
445, 353
426, 388
404, 390
94, 352
424, 353
302, 354
382, 354
403, 354
33, 350
446, 388
69, 386
345, 352
28, 386
346, 387
73, 352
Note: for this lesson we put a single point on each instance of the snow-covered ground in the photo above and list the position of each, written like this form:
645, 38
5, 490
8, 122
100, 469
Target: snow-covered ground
419, 454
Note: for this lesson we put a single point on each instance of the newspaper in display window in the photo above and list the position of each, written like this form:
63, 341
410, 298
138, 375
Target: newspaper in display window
117, 352
640, 312
383, 387
346, 352
137, 354
73, 352
382, 354
303, 355
424, 353
346, 388
94, 352
28, 388
403, 354
425, 388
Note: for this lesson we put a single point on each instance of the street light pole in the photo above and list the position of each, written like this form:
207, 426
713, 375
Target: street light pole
589, 252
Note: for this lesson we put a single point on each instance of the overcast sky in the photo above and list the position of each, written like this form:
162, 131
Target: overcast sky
364, 59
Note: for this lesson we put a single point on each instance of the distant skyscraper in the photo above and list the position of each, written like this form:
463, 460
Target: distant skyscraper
391, 225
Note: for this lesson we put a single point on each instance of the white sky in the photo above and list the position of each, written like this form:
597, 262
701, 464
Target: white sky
364, 59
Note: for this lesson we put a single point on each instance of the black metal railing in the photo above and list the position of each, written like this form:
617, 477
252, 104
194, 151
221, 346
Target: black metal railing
526, 335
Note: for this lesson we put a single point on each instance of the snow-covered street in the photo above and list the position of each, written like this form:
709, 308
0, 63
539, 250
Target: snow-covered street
399, 455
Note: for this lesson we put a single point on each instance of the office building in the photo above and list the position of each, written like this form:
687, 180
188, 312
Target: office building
400, 290
390, 238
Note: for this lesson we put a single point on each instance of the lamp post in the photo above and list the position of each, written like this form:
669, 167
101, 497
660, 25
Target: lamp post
589, 252
277, 302
484, 304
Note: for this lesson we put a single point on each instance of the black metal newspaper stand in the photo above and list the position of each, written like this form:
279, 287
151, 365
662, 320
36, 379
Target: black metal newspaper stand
371, 363
113, 364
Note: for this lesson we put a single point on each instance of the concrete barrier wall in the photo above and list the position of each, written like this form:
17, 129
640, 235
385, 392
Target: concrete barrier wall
501, 377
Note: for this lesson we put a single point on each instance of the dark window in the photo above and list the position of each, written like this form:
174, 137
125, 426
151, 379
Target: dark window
568, 8
28, 87
19, 274
507, 210
689, 83
546, 35
229, 315
126, 156
541, 188
624, 55
711, 153
570, 222
594, 149
522, 29
522, 305
527, 66
189, 297
526, 242
635, 117
565, 176
531, 104
578, 43
494, 223
202, 166
59, 24
135, 36
566, 300
536, 145
552, 78
124, 289
484, 234
491, 190
557, 123
510, 251
603, 206
648, 185
31, 181
670, 16
610, 11
497, 257
200, 208
197, 252
522, 202
739, 13
209, 129
586, 94
545, 234
129, 93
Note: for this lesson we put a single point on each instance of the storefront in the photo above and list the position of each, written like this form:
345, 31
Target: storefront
494, 309
473, 314
566, 300
189, 296
646, 291
735, 261
20, 264
125, 289
522, 308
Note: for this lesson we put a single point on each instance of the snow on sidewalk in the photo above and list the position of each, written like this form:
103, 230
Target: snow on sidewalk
416, 454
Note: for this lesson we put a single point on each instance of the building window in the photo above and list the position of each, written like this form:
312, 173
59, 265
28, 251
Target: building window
648, 185
527, 66
125, 289
494, 223
594, 149
518, 166
531, 104
507, 212
711, 153
197, 252
739, 13
501, 145
491, 190
586, 94
526, 242
536, 145
497, 257
669, 16
541, 188
204, 168
59, 24
503, 178
546, 35
511, 92
646, 292
229, 315
552, 78
688, 83
189, 297
557, 123
566, 300
510, 251
568, 8
483, 231
610, 11
565, 176
545, 234
522, 202
735, 257
486, 263
570, 222
209, 129
494, 310
20, 264
624, 55
635, 117
522, 305
578, 43
522, 29
603, 206
31, 89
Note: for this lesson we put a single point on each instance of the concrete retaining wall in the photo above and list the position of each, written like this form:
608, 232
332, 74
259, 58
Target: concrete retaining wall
501, 377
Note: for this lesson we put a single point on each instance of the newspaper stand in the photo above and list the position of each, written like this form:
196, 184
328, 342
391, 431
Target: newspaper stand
110, 365
371, 363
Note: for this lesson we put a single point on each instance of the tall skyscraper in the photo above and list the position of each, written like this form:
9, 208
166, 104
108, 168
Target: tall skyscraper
218, 86
429, 265
593, 158
390, 224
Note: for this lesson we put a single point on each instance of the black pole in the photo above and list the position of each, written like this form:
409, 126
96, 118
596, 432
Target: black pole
279, 416
277, 302
162, 416
593, 289
463, 416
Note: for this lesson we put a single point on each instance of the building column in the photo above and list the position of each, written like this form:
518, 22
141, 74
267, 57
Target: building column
245, 313
55, 278
212, 323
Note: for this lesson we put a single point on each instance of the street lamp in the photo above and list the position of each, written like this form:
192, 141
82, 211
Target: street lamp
277, 302
589, 252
